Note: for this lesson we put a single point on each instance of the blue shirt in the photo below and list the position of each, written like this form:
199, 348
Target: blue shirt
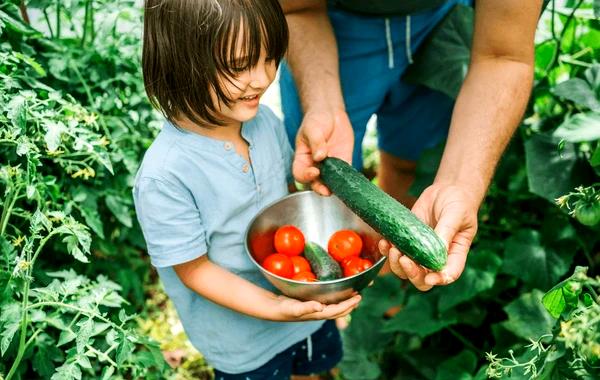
195, 195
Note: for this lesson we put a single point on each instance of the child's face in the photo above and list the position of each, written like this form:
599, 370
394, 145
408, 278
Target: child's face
245, 90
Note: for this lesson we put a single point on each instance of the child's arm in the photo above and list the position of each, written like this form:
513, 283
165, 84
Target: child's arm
226, 289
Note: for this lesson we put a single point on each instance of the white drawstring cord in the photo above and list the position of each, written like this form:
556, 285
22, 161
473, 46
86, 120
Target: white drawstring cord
309, 348
408, 49
390, 45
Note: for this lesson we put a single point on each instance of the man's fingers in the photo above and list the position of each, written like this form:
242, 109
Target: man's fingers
415, 273
315, 140
320, 188
394, 258
453, 269
448, 226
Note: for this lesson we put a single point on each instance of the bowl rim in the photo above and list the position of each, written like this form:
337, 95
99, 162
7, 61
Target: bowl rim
291, 195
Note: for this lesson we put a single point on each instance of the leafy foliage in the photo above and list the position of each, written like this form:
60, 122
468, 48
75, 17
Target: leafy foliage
70, 111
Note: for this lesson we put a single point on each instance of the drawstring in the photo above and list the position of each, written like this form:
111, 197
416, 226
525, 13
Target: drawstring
390, 44
309, 348
408, 49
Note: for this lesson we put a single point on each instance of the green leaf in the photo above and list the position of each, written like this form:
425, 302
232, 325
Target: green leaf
443, 60
554, 299
67, 371
363, 338
479, 275
545, 265
459, 367
107, 373
419, 316
597, 8
86, 327
124, 349
578, 91
54, 131
15, 24
550, 174
42, 362
578, 128
595, 159
527, 317
10, 322
65, 337
120, 209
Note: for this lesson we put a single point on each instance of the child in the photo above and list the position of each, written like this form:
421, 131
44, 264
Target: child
219, 159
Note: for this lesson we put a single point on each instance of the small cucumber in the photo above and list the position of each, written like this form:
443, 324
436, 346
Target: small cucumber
323, 265
384, 214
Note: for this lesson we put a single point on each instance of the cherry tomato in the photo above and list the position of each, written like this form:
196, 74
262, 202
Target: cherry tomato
352, 265
305, 276
300, 264
343, 244
367, 264
279, 264
289, 240
261, 244
588, 213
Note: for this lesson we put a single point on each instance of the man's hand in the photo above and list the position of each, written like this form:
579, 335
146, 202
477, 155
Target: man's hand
452, 213
326, 133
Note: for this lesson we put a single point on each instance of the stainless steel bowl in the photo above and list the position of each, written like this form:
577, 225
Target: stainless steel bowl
318, 217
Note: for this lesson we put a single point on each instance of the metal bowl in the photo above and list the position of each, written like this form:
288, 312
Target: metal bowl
318, 217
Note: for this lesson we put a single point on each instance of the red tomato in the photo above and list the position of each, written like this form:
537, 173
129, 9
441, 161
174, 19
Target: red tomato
343, 244
289, 240
352, 265
279, 264
305, 276
367, 264
300, 264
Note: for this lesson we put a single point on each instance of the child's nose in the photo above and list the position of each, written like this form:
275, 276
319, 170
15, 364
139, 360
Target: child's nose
259, 76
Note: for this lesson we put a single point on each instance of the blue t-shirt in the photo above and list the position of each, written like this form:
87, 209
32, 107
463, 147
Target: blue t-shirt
195, 195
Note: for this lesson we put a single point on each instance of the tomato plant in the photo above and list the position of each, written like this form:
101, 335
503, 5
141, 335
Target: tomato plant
343, 244
289, 240
279, 264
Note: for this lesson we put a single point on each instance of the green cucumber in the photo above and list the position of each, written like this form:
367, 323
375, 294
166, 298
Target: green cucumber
323, 265
384, 214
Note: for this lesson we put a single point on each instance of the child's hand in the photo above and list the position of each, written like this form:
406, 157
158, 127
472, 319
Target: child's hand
290, 309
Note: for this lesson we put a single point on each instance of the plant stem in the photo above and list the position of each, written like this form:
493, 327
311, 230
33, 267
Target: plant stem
91, 100
11, 199
23, 334
58, 6
48, 23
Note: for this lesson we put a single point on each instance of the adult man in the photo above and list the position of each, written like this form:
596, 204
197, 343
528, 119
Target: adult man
336, 92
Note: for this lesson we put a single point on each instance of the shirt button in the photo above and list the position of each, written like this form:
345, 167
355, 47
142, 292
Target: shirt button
228, 146
245, 168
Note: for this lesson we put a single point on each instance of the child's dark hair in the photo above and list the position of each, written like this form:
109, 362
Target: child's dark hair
190, 46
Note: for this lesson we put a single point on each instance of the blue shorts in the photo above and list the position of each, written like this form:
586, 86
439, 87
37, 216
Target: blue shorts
317, 354
374, 53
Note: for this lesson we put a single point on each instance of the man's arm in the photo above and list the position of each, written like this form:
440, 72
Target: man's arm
313, 60
488, 109
494, 95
